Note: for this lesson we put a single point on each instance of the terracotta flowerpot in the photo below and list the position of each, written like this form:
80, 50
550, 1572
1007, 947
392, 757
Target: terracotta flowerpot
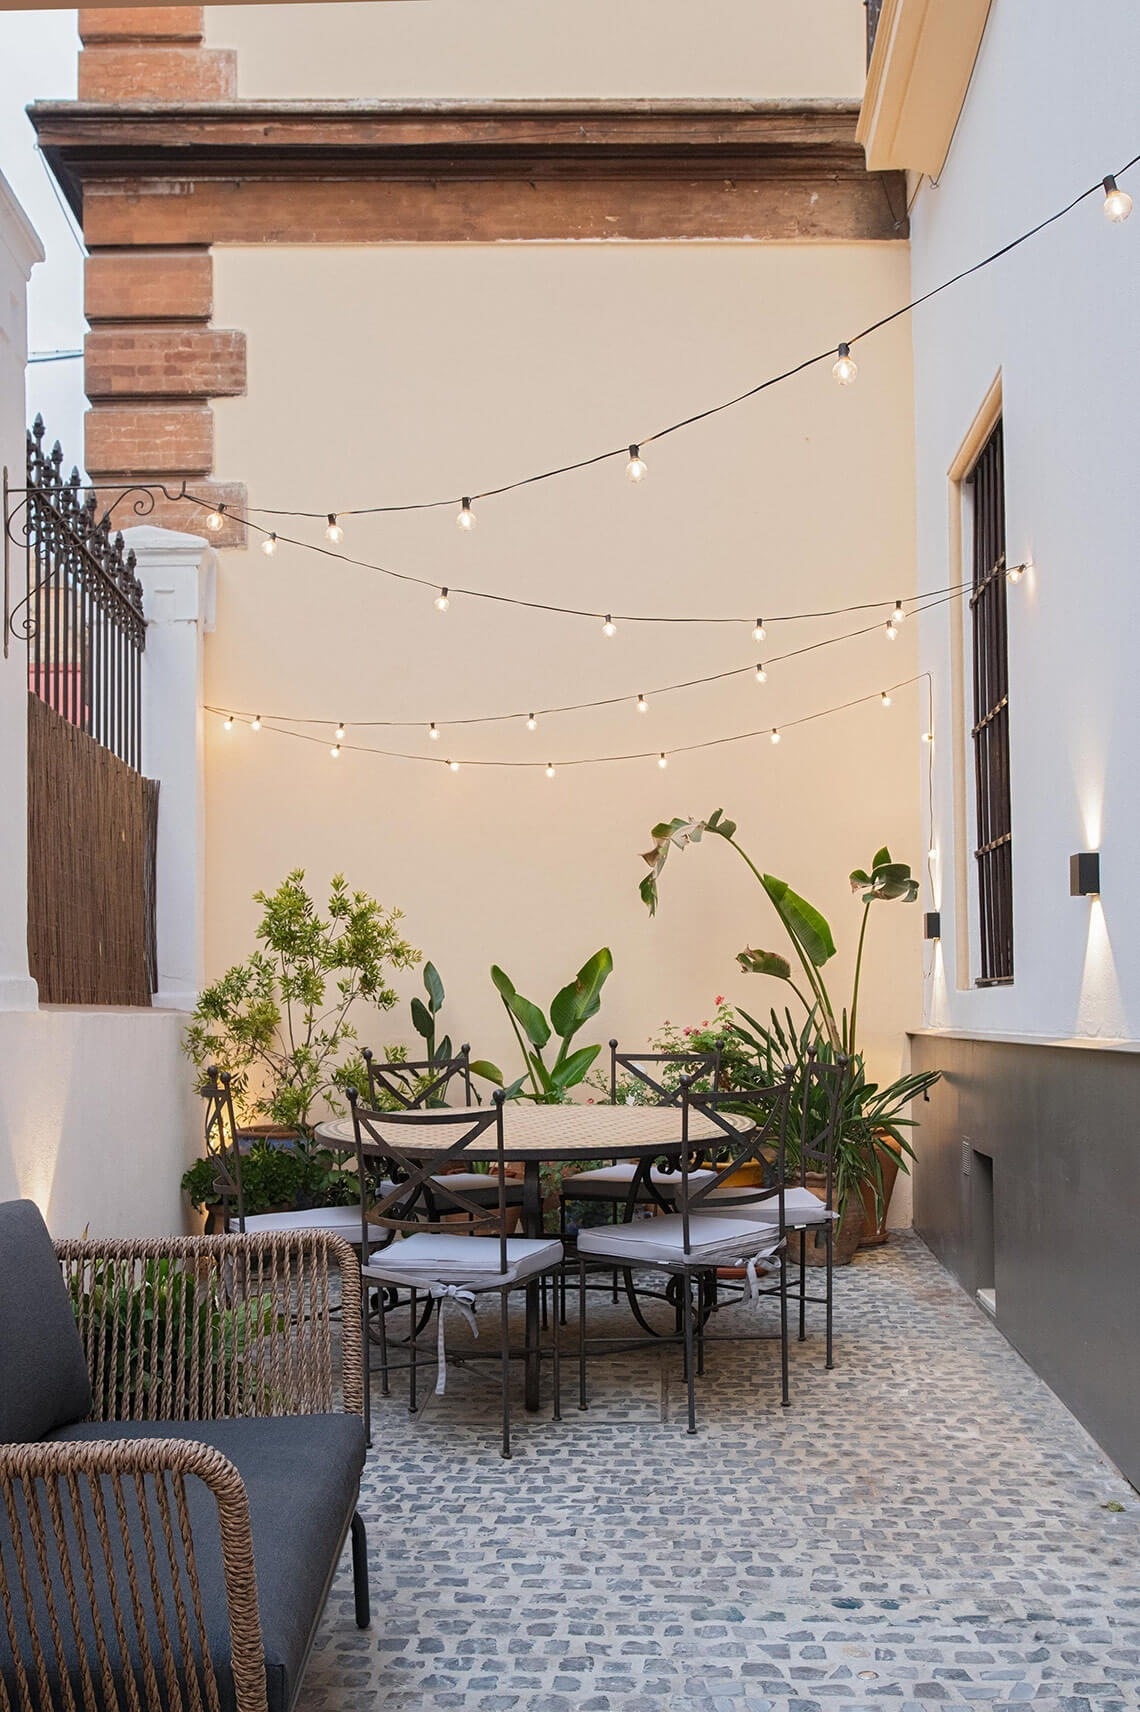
848, 1232
875, 1226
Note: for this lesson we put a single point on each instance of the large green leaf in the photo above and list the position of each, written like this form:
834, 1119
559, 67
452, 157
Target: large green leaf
434, 987
582, 997
534, 1024
421, 1019
802, 920
574, 1066
764, 963
488, 1071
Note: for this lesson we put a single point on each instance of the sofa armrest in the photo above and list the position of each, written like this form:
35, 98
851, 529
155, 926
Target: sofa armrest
199, 1328
102, 1579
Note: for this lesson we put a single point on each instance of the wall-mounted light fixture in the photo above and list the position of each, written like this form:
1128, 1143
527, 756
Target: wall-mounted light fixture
932, 924
1084, 874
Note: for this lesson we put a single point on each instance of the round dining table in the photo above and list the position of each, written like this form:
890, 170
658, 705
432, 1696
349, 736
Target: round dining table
535, 1135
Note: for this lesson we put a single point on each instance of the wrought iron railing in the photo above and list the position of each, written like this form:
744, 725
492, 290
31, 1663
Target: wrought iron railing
83, 616
874, 7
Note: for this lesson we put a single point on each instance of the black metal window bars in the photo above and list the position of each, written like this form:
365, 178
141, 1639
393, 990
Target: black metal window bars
993, 851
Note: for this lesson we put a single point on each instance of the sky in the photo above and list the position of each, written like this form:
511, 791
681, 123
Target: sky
38, 57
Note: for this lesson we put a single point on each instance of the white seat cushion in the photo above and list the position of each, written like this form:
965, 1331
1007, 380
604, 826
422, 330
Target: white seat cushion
338, 1221
715, 1241
611, 1182
480, 1183
473, 1262
801, 1207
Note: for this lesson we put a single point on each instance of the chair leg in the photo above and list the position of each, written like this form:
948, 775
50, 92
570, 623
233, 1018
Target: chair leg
785, 1398
367, 1366
555, 1351
803, 1286
700, 1326
615, 1219
560, 1275
360, 1572
582, 1404
690, 1366
505, 1322
828, 1240
412, 1358
382, 1311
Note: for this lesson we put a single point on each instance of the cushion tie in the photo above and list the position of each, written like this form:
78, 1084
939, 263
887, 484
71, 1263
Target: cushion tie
450, 1295
754, 1262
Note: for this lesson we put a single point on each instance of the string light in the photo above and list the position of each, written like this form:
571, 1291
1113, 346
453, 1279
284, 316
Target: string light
269, 545
928, 737
442, 601
216, 518
340, 732
775, 735
845, 367
228, 722
761, 675
898, 614
892, 630
1016, 572
334, 532
885, 699
454, 765
255, 722
637, 469
466, 518
1117, 202
335, 751
433, 731
609, 628
531, 722
759, 634
662, 760
550, 769
642, 704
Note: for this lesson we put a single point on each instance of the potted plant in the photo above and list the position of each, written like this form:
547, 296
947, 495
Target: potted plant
279, 1022
872, 1145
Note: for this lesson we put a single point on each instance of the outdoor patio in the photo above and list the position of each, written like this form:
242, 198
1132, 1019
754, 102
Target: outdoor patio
926, 1526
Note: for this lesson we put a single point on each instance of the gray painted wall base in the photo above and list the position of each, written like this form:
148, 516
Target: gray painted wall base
1027, 1182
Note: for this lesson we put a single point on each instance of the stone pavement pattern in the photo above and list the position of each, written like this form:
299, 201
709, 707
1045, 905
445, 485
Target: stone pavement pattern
925, 1528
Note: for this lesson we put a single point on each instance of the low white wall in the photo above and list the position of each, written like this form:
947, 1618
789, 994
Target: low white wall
98, 1119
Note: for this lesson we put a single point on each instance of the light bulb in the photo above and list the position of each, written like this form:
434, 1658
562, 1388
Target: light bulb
466, 518
255, 722
550, 769
845, 368
761, 675
775, 735
1117, 202
609, 628
663, 760
642, 704
228, 722
340, 733
334, 532
433, 732
442, 601
1016, 572
759, 634
637, 469
269, 545
885, 699
892, 630
454, 765
216, 518
335, 751
531, 722
928, 737
898, 614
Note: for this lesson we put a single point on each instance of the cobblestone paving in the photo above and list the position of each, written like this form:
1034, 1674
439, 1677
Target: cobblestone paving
925, 1528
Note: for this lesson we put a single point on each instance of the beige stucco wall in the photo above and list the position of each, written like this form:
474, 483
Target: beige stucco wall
504, 48
383, 373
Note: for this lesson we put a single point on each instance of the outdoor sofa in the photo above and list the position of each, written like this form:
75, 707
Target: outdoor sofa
181, 1443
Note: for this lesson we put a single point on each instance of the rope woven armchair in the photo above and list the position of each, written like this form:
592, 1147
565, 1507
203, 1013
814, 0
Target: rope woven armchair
184, 1451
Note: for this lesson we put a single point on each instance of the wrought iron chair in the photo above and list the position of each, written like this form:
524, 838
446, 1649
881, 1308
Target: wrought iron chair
806, 1213
689, 1243
446, 1266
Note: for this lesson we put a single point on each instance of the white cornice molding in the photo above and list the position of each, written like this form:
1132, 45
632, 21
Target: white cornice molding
917, 81
17, 233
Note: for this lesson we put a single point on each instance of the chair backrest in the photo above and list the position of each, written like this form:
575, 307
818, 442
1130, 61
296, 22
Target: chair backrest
696, 1065
755, 1124
393, 1137
821, 1120
223, 1142
416, 1083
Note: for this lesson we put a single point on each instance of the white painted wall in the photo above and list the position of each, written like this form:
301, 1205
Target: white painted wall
1051, 109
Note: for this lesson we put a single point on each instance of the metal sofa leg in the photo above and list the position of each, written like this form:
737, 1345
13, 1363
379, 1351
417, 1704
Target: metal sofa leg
360, 1572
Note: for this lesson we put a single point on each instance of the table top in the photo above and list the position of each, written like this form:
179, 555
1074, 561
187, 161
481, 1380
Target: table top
533, 1132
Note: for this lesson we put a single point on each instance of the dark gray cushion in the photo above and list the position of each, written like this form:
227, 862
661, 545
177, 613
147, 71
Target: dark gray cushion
44, 1382
302, 1476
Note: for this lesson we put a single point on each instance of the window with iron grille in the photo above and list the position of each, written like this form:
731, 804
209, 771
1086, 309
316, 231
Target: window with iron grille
994, 832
